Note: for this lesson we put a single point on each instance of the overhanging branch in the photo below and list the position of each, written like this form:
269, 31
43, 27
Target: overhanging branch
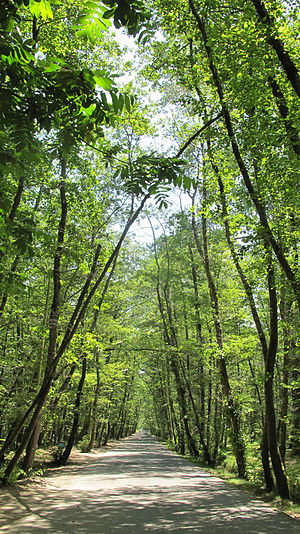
195, 135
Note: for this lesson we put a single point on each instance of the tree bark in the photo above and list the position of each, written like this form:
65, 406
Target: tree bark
285, 59
54, 355
32, 445
169, 333
280, 475
199, 425
284, 392
268, 234
94, 409
53, 322
283, 109
265, 442
233, 411
62, 460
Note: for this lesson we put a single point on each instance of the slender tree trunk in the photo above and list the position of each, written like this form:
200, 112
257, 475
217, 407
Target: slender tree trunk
34, 440
284, 111
218, 416
264, 450
39, 402
199, 425
65, 455
284, 392
199, 338
175, 425
280, 475
290, 274
63, 387
54, 355
32, 445
53, 323
169, 333
93, 415
165, 412
182, 405
285, 59
209, 406
258, 324
94, 409
233, 411
17, 199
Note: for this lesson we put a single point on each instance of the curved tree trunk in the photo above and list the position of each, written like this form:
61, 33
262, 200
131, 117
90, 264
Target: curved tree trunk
53, 323
54, 355
260, 331
260, 209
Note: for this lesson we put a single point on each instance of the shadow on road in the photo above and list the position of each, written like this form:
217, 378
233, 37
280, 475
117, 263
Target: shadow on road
137, 487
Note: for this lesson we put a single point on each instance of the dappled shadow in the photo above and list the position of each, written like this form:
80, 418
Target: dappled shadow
144, 458
140, 487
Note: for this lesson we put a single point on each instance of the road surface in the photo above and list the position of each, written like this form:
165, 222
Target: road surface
136, 487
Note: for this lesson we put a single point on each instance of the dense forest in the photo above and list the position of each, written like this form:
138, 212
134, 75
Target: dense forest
181, 117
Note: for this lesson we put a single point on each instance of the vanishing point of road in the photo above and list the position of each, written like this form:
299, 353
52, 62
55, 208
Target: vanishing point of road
136, 487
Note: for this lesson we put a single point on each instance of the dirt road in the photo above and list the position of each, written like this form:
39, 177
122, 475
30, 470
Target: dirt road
137, 486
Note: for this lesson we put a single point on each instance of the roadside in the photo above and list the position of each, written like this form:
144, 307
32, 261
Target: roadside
229, 475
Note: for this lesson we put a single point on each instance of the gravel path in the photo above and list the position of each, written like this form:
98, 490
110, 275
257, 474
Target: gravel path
137, 486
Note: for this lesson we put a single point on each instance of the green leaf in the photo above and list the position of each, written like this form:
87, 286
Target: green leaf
104, 82
52, 67
104, 99
89, 111
115, 102
109, 13
127, 102
42, 8
121, 101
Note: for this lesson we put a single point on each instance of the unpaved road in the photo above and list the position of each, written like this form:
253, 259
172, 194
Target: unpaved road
137, 486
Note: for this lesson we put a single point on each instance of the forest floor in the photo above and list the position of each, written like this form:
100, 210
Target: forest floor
135, 486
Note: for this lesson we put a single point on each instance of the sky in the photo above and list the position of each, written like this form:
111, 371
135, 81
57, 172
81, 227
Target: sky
141, 230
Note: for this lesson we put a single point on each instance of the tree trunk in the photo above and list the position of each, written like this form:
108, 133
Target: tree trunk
295, 403
174, 422
199, 425
264, 449
283, 109
62, 460
279, 472
276, 246
182, 405
284, 391
32, 445
287, 63
39, 402
169, 333
94, 408
233, 411
256, 318
83, 302
53, 323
